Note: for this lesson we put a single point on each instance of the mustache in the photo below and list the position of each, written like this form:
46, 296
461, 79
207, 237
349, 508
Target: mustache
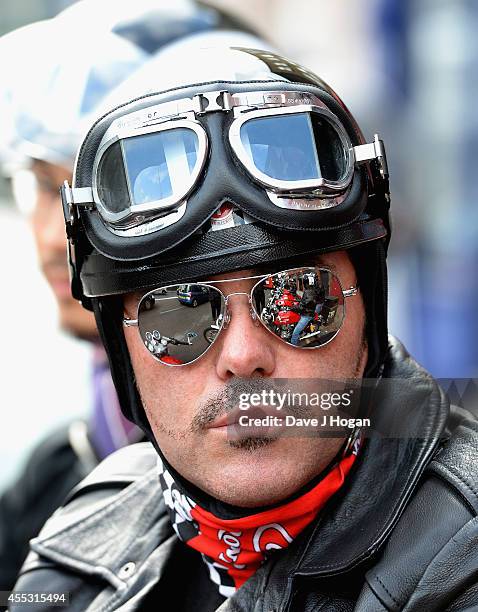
226, 400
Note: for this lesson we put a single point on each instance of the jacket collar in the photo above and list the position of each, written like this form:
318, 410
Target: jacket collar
105, 527
360, 518
348, 533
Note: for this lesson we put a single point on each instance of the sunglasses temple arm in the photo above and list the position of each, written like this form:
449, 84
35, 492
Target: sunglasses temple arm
350, 292
130, 322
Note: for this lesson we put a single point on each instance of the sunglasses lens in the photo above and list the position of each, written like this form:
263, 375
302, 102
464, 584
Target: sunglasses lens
180, 322
302, 307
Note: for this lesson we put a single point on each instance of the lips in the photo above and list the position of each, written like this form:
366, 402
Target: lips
227, 419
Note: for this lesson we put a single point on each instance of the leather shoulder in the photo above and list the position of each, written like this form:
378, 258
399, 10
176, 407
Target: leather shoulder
437, 533
456, 462
118, 470
123, 486
123, 468
51, 470
104, 534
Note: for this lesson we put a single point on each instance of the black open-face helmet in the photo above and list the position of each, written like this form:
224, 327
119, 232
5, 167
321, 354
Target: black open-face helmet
212, 128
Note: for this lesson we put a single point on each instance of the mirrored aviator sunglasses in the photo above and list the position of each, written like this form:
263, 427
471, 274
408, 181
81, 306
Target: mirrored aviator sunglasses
303, 307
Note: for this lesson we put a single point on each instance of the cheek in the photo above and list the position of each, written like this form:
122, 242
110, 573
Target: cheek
168, 393
36, 227
354, 321
349, 349
151, 378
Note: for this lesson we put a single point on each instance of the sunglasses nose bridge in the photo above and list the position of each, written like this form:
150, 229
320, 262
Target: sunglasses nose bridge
227, 316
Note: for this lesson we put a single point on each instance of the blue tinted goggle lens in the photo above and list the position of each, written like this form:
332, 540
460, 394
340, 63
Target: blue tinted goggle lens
292, 147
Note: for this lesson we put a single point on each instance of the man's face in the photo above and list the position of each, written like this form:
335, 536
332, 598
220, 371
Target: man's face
49, 232
179, 400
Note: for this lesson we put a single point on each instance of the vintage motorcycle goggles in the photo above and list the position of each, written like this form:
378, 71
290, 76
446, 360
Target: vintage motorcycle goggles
290, 143
303, 307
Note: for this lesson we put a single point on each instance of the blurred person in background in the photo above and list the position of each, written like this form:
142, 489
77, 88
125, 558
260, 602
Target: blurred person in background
48, 98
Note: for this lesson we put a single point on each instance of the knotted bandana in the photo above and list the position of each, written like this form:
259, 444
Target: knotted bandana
234, 549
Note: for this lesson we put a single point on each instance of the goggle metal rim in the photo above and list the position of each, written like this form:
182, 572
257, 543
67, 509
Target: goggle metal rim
289, 187
167, 203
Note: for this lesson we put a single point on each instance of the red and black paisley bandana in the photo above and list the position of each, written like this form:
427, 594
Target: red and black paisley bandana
234, 549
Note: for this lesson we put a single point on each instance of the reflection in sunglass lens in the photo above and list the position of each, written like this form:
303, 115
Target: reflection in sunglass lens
179, 323
302, 307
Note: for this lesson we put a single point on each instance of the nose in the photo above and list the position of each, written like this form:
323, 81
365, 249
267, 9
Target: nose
245, 350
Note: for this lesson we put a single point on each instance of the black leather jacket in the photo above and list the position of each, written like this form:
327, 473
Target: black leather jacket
402, 534
57, 464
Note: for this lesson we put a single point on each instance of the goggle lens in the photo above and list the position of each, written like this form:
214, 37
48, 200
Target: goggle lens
160, 164
302, 307
159, 167
298, 147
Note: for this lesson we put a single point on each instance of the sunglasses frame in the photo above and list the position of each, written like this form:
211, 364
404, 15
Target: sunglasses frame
350, 292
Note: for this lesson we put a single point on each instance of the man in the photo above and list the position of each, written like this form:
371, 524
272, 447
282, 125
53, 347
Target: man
43, 143
51, 97
223, 515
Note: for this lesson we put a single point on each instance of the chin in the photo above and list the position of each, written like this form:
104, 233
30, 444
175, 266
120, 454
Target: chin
260, 480
255, 494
